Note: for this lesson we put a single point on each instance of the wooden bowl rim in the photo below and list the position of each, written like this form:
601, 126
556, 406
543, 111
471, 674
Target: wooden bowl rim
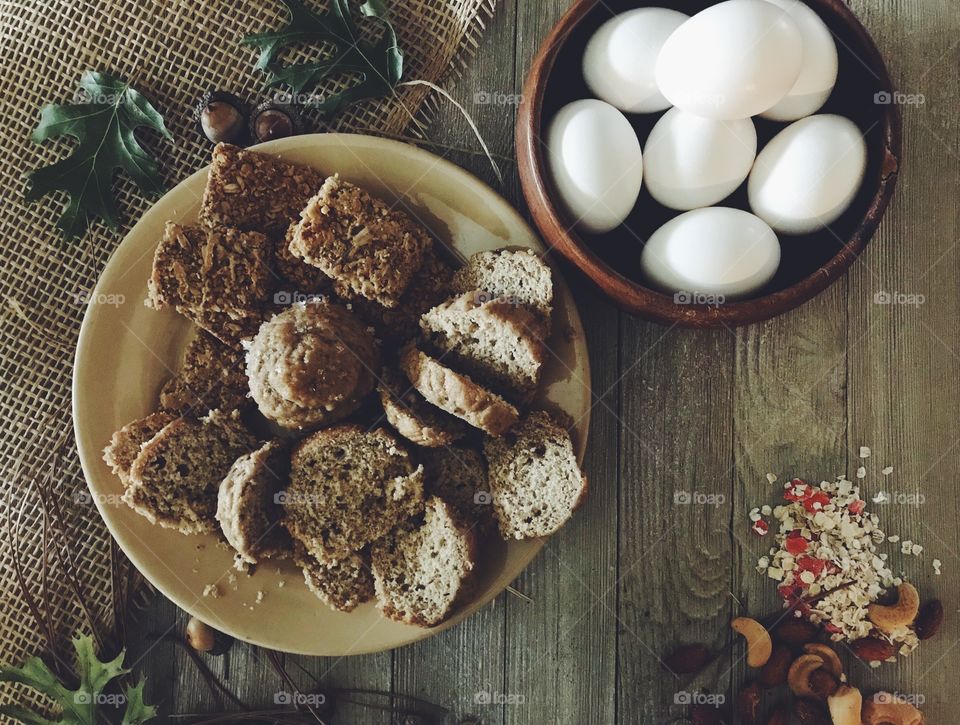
635, 298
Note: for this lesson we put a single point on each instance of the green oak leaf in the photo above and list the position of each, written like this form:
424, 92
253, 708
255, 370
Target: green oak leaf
104, 123
79, 705
377, 64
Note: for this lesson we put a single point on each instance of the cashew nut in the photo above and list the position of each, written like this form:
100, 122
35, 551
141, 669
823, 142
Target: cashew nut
831, 660
845, 706
884, 708
759, 644
891, 617
799, 675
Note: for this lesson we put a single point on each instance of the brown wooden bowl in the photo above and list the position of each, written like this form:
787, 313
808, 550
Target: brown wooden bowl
612, 261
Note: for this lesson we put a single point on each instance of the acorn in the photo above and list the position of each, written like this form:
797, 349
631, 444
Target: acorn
222, 117
271, 120
204, 638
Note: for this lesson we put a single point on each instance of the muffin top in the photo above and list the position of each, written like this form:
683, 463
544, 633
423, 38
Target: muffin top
311, 365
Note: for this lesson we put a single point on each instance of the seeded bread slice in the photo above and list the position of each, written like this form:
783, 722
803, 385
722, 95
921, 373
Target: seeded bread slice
341, 584
521, 277
348, 487
219, 278
124, 446
367, 248
413, 417
495, 342
247, 506
422, 571
458, 475
212, 376
457, 394
174, 480
535, 480
255, 191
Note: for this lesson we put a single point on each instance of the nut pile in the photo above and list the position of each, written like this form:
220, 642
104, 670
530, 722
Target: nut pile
830, 571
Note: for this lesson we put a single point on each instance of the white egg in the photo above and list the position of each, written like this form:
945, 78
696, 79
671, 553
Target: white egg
713, 251
732, 60
621, 56
690, 161
596, 163
808, 174
818, 73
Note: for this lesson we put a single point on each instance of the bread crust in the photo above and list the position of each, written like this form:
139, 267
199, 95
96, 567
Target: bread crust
413, 417
457, 394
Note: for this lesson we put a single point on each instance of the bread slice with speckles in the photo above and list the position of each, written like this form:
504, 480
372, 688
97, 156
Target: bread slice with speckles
422, 571
535, 480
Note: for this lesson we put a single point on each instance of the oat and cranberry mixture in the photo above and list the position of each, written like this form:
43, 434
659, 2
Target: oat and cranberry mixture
827, 561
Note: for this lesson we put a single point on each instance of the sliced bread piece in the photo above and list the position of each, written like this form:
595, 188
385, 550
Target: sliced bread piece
212, 376
495, 342
413, 417
368, 248
341, 584
458, 475
124, 446
535, 480
255, 191
247, 506
422, 571
348, 487
520, 277
175, 478
457, 394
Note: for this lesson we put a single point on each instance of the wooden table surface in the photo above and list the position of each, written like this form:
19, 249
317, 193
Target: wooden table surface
712, 412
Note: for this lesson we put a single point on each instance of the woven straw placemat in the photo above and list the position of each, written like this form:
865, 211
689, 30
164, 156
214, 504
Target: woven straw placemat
173, 51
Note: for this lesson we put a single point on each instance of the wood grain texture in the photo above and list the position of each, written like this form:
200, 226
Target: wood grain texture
707, 413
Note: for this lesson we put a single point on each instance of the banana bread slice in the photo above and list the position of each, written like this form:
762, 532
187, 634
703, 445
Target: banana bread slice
497, 343
124, 446
368, 248
174, 480
422, 570
413, 417
212, 376
458, 475
348, 487
255, 191
521, 277
247, 506
457, 394
535, 480
341, 584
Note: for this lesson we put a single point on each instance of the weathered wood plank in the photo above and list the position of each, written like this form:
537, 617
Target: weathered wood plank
675, 483
905, 357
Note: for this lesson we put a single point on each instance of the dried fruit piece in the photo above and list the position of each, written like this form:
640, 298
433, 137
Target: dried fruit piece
748, 703
823, 684
891, 617
774, 673
811, 713
872, 649
796, 632
687, 659
759, 644
929, 619
779, 716
845, 706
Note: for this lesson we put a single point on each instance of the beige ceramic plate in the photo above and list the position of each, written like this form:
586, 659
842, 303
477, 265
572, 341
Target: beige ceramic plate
127, 351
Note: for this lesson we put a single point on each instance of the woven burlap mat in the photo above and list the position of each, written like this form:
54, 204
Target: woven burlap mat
173, 50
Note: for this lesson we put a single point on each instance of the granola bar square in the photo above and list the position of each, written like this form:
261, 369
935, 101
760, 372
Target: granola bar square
255, 192
367, 248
